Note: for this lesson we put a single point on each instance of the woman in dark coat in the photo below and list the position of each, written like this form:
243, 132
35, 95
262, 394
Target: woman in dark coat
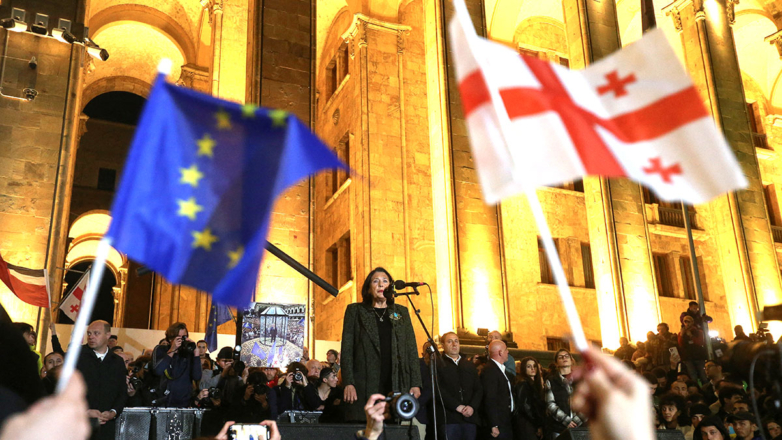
529, 415
379, 353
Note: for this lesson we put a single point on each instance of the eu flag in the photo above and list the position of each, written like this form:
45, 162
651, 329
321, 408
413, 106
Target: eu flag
218, 314
199, 184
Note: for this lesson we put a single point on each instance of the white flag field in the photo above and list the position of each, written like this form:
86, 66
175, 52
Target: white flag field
71, 305
635, 114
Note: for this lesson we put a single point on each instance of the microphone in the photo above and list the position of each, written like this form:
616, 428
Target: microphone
399, 284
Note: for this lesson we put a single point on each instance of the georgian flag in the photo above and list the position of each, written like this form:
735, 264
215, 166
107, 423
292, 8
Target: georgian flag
634, 114
72, 303
29, 285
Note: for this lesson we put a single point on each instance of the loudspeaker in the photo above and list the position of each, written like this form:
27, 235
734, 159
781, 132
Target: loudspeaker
340, 431
583, 434
159, 424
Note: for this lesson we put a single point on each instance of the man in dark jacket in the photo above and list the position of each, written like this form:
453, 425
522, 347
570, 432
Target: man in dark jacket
104, 373
498, 401
176, 369
460, 390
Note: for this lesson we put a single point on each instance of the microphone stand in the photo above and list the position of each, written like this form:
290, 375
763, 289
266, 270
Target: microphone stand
431, 350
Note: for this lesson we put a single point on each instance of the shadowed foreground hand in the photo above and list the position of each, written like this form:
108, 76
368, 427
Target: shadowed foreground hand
62, 413
610, 395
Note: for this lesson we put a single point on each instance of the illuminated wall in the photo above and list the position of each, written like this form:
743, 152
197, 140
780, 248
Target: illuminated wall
374, 79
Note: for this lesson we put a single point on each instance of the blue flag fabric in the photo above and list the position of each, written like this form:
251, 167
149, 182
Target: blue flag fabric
198, 187
218, 314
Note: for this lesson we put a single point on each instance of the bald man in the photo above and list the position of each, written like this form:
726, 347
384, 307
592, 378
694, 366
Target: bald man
510, 364
497, 395
104, 372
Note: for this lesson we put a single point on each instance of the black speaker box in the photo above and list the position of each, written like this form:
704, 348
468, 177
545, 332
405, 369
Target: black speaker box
339, 431
583, 434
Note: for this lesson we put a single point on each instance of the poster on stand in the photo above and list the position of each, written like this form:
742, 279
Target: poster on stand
272, 334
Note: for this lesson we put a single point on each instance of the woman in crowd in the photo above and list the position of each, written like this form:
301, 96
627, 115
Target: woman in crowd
711, 428
379, 353
327, 396
530, 413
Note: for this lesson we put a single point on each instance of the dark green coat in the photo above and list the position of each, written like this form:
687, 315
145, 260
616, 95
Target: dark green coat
360, 364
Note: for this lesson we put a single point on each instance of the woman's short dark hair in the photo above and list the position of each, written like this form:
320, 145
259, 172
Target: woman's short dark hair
173, 331
367, 297
324, 373
23, 327
676, 400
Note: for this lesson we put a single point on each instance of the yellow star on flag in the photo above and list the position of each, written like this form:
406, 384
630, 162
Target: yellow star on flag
235, 256
189, 208
191, 175
248, 110
204, 239
223, 120
206, 146
278, 117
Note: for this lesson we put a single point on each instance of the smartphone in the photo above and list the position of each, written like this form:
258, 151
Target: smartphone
674, 351
242, 431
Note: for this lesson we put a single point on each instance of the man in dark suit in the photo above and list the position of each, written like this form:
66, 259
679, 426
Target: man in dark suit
104, 372
459, 391
498, 401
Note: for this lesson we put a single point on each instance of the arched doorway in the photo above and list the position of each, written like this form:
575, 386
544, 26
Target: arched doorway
104, 304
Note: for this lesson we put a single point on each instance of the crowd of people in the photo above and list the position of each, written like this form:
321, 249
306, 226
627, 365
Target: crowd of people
487, 395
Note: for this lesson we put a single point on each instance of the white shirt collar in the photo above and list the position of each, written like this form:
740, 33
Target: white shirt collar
455, 361
502, 367
101, 355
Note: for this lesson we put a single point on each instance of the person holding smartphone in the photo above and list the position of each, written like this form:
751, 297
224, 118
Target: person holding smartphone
176, 365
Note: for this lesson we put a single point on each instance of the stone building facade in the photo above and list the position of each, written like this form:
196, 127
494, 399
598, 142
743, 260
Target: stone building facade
374, 79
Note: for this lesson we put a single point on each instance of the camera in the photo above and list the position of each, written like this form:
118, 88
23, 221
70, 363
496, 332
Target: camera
214, 393
298, 377
136, 383
187, 349
403, 406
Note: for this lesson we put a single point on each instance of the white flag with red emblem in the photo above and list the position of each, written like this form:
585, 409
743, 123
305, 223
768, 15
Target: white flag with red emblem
634, 114
72, 303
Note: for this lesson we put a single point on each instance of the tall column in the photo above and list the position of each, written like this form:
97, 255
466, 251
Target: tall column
624, 275
749, 264
480, 278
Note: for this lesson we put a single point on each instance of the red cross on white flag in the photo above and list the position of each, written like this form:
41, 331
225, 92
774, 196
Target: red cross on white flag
72, 303
634, 114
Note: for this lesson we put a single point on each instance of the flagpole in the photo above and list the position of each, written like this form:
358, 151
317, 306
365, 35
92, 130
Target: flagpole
49, 295
85, 312
697, 278
506, 131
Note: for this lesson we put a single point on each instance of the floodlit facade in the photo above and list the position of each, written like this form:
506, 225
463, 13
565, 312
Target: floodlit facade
374, 79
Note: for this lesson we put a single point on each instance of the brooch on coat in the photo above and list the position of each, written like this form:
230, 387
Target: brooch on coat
395, 316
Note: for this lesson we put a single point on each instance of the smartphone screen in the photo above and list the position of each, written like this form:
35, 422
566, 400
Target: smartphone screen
240, 431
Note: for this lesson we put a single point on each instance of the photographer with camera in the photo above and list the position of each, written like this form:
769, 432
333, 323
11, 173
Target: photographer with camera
290, 393
254, 401
211, 378
139, 382
177, 365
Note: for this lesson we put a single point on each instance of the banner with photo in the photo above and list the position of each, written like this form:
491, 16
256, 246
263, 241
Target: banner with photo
272, 335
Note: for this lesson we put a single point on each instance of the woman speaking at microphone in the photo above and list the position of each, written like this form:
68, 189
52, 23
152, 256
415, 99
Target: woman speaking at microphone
379, 353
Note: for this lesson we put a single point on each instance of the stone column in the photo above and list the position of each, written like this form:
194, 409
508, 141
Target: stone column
621, 251
480, 283
747, 254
